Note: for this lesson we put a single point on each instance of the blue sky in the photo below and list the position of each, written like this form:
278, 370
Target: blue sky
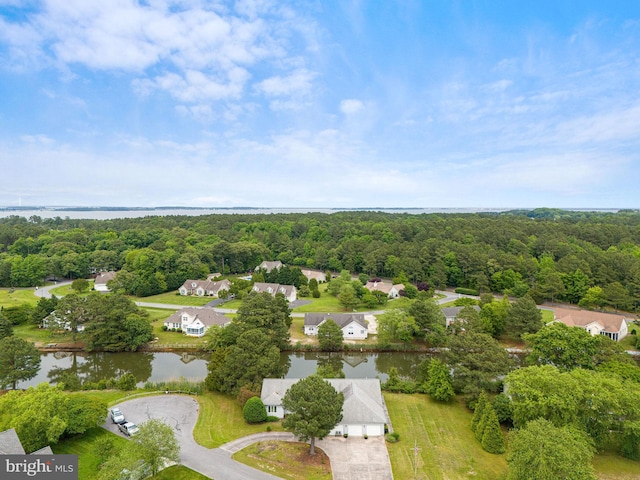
320, 103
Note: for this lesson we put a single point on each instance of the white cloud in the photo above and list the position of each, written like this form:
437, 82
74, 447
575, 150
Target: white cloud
351, 106
297, 83
193, 50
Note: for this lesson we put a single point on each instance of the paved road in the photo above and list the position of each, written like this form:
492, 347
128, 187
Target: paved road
46, 291
181, 412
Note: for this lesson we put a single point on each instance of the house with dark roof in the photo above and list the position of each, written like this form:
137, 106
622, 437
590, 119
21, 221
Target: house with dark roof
204, 288
10, 445
195, 321
363, 411
612, 325
268, 266
353, 325
100, 282
289, 291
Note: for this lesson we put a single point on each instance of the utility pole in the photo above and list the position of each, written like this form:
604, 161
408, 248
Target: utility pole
415, 459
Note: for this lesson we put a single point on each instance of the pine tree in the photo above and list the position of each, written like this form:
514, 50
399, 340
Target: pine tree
478, 412
492, 438
439, 384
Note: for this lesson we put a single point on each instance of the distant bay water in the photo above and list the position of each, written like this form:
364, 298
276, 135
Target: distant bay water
106, 213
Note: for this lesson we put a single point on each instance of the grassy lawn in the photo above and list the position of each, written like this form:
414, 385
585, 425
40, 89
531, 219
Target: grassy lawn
83, 446
34, 334
613, 467
297, 330
179, 472
448, 448
286, 460
170, 298
17, 297
629, 342
220, 421
67, 290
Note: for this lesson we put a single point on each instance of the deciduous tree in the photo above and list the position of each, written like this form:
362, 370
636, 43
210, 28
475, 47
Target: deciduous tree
541, 451
156, 444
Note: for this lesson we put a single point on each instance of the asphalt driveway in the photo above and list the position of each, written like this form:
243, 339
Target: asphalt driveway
351, 459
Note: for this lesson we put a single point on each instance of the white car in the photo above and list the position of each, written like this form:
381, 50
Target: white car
129, 428
117, 416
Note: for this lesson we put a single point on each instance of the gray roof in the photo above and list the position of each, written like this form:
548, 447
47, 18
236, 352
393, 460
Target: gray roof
104, 277
10, 443
261, 287
208, 316
455, 311
268, 266
43, 451
341, 319
362, 397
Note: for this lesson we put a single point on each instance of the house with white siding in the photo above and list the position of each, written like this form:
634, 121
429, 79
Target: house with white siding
363, 412
204, 288
612, 325
195, 321
353, 325
268, 266
289, 291
392, 291
100, 282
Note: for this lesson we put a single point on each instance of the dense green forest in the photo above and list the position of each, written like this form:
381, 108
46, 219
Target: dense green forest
589, 258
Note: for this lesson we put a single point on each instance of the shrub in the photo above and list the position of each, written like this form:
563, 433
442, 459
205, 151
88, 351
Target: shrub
466, 291
271, 418
127, 382
244, 394
345, 435
316, 293
365, 436
268, 428
164, 328
464, 301
254, 411
392, 437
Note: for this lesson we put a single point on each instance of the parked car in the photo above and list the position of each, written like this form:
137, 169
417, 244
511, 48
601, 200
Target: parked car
129, 428
117, 416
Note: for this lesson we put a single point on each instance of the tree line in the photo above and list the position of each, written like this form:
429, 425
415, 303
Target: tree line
593, 258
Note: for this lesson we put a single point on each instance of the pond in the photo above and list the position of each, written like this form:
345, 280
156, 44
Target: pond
164, 366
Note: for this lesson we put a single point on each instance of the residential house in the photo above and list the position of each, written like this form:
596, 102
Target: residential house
204, 288
319, 277
10, 444
613, 325
451, 313
195, 321
363, 412
268, 266
100, 282
58, 321
392, 291
289, 291
353, 325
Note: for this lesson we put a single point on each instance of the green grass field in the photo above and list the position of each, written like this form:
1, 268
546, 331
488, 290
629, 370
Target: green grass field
14, 297
84, 446
448, 449
447, 446
220, 421
67, 290
179, 472
32, 333
171, 298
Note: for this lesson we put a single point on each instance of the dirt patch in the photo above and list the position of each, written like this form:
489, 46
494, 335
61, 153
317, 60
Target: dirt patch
289, 460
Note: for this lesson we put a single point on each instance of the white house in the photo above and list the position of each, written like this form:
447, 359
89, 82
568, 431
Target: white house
353, 325
100, 282
268, 266
289, 291
363, 412
319, 276
204, 288
451, 313
195, 321
57, 321
392, 291
614, 326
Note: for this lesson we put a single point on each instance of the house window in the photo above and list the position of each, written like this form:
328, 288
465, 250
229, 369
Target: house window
350, 331
361, 332
271, 409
